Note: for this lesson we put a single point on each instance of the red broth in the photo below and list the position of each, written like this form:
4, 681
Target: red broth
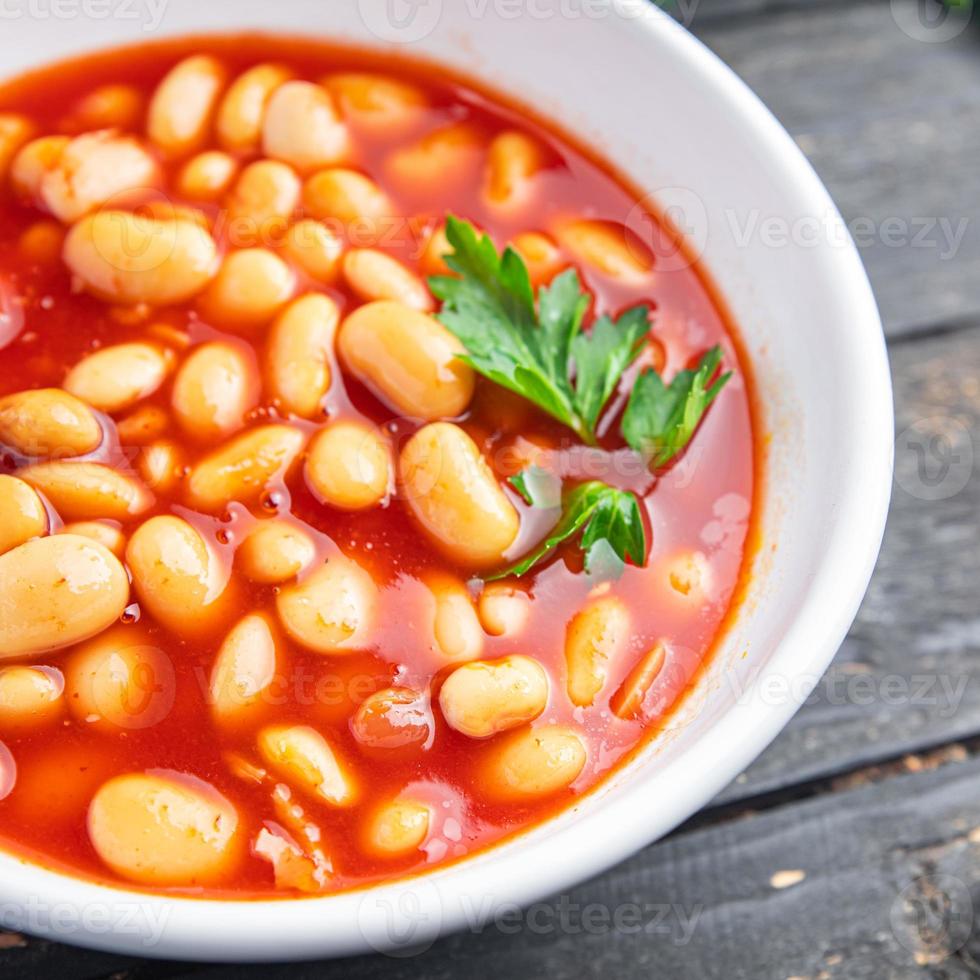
702, 506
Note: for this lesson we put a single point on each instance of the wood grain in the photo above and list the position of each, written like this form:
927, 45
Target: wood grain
892, 125
26, 958
696, 13
906, 676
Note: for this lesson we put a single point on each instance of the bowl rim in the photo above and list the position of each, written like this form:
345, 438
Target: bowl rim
258, 930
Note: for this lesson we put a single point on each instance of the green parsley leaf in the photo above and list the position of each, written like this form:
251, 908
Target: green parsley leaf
541, 354
602, 356
608, 519
660, 419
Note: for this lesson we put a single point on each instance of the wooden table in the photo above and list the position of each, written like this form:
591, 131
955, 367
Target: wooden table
851, 848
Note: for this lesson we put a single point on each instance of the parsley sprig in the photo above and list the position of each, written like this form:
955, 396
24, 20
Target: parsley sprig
608, 519
541, 354
660, 420
540, 350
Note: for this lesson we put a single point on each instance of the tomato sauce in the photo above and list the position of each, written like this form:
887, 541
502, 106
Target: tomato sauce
702, 505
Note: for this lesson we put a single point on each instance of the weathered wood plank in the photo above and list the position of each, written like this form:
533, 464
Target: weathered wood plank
26, 958
906, 676
873, 882
892, 125
697, 13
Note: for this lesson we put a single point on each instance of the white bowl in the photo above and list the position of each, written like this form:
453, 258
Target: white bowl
627, 80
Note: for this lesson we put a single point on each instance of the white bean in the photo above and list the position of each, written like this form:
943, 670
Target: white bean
377, 103
95, 169
117, 377
301, 127
303, 757
394, 718
455, 626
275, 552
333, 609
30, 698
83, 491
177, 576
15, 131
504, 608
112, 106
251, 287
408, 359
165, 830
454, 496
162, 465
349, 197
349, 466
315, 249
444, 159
108, 535
57, 591
513, 159
33, 161
120, 681
485, 697
596, 638
397, 827
214, 390
244, 669
374, 275
22, 514
48, 422
180, 111
206, 176
262, 201
299, 353
532, 763
244, 468
239, 121
129, 259
609, 248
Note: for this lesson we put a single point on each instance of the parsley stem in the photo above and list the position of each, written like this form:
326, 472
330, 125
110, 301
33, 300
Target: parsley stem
585, 434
